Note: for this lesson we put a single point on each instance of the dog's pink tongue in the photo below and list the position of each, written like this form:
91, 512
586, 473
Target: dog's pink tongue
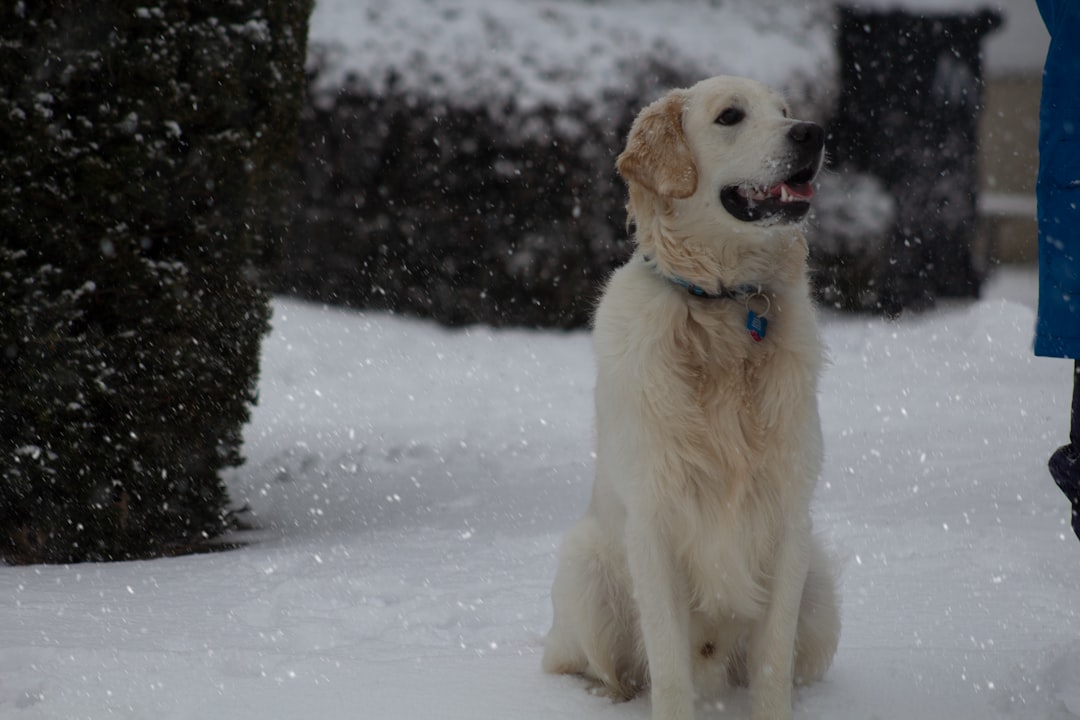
805, 191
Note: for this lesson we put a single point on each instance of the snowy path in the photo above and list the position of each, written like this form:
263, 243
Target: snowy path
413, 483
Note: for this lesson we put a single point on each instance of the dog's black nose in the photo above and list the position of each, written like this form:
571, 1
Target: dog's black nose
807, 132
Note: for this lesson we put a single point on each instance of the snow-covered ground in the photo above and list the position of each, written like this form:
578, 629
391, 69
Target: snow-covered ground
412, 484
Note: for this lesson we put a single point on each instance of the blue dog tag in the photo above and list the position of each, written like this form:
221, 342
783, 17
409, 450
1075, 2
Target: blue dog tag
756, 324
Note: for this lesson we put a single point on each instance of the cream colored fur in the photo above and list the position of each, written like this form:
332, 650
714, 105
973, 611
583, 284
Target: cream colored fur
695, 563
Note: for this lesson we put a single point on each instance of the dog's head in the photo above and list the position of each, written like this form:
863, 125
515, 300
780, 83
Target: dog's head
730, 145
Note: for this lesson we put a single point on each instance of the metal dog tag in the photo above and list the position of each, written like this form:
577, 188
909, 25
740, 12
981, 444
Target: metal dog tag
756, 324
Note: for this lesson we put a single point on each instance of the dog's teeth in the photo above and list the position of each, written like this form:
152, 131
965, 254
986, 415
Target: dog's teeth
785, 195
753, 194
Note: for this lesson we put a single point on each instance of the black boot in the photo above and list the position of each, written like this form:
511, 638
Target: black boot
1065, 462
1065, 469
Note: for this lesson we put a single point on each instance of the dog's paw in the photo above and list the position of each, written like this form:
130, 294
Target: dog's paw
619, 692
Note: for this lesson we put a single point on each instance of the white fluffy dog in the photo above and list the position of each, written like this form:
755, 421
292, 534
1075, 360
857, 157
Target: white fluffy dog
695, 563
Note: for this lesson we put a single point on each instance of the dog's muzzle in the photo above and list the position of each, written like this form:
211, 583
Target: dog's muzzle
789, 199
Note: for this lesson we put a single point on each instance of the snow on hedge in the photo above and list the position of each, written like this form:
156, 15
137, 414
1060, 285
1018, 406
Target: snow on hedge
518, 55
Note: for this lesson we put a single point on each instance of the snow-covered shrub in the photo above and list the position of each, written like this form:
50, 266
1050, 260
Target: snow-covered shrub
908, 114
457, 156
145, 164
854, 216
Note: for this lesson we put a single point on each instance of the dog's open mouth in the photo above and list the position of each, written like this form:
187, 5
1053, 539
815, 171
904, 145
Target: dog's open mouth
787, 201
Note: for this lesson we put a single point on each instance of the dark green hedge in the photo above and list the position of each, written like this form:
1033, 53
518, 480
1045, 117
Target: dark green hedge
147, 147
410, 204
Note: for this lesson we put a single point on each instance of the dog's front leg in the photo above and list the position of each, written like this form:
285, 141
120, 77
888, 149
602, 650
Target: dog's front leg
772, 644
664, 612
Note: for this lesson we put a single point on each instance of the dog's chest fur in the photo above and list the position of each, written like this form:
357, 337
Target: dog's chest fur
737, 495
740, 391
720, 407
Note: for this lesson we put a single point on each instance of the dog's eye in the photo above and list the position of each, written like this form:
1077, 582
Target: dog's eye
731, 116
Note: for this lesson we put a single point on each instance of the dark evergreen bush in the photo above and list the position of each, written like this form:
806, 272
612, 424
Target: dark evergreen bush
459, 163
414, 205
908, 114
146, 151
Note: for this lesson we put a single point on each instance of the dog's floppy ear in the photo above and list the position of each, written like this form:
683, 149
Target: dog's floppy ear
657, 155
